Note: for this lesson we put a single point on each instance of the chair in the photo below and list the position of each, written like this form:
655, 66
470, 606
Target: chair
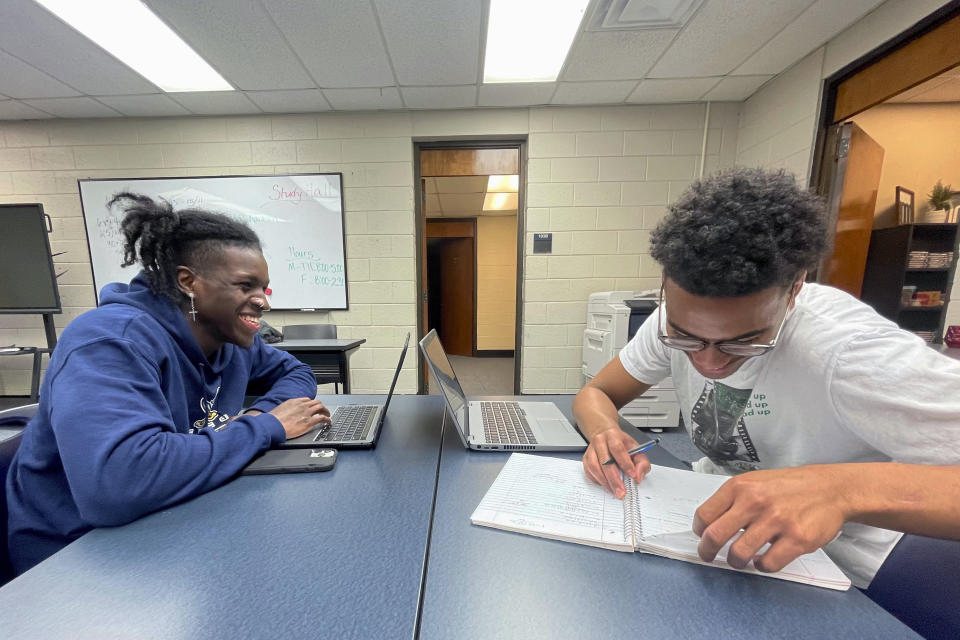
325, 373
918, 584
10, 419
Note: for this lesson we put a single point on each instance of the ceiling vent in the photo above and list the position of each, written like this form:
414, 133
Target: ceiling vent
633, 15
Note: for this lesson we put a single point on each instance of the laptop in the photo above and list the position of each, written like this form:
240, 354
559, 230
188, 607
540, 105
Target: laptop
352, 426
499, 425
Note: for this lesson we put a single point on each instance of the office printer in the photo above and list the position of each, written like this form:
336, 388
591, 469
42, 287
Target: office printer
613, 318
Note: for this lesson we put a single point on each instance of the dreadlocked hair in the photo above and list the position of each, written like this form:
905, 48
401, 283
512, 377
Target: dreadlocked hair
162, 239
738, 232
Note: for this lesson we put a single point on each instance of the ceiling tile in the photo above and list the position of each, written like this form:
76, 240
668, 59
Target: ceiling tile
461, 184
679, 90
82, 107
14, 110
290, 101
516, 95
948, 91
144, 106
723, 34
215, 102
39, 38
440, 97
20, 80
364, 99
430, 185
458, 203
238, 39
337, 40
432, 42
593, 92
615, 55
818, 24
735, 88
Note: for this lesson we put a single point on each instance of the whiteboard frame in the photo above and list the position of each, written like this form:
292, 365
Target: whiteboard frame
343, 226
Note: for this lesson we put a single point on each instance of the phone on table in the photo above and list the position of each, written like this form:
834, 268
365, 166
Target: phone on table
291, 461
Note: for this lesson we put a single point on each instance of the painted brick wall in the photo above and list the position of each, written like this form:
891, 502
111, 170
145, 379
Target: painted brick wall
599, 178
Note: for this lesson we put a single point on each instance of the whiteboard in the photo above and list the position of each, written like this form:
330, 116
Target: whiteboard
299, 219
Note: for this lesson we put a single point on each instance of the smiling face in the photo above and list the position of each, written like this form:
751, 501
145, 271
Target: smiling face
229, 297
750, 319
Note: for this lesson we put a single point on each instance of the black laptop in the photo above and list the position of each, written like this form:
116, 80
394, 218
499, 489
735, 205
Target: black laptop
353, 426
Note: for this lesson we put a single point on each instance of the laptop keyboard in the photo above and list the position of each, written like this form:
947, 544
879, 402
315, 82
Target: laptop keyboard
348, 422
505, 423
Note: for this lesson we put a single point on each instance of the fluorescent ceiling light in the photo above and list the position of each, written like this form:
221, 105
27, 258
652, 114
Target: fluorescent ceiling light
139, 39
528, 40
500, 202
503, 184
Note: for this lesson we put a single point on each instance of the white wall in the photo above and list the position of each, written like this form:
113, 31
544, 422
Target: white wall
599, 178
778, 123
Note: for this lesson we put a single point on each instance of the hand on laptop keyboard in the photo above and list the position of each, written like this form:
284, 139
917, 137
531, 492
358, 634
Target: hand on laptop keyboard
300, 415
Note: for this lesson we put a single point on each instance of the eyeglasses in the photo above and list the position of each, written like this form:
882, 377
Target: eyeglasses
693, 345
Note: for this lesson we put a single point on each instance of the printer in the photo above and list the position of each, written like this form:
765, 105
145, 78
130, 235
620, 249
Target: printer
613, 318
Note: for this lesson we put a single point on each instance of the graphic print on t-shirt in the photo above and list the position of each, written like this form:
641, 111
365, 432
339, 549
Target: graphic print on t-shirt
719, 430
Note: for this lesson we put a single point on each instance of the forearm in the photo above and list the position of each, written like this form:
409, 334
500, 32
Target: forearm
919, 499
594, 411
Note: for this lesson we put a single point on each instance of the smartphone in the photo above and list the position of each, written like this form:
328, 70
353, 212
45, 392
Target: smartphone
291, 461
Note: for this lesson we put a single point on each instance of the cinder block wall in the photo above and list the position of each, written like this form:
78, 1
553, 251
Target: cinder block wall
599, 178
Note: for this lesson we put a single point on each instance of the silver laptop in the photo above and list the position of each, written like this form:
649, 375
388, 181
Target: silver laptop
499, 425
352, 426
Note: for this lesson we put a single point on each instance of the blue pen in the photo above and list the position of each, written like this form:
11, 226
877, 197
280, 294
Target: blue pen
646, 446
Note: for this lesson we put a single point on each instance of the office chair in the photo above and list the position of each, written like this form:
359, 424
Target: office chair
10, 418
919, 583
324, 373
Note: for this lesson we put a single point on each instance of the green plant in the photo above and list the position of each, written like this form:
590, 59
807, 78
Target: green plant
940, 196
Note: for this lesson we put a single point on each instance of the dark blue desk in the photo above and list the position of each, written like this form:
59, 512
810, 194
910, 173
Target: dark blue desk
486, 583
335, 554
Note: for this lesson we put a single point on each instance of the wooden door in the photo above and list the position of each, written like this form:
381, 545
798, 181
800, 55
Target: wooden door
457, 262
855, 161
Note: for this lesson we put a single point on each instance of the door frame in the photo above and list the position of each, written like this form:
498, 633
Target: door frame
518, 142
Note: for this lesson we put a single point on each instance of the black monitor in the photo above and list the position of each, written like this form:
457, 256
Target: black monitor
28, 283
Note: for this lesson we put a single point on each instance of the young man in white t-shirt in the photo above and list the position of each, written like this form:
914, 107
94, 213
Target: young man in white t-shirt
840, 428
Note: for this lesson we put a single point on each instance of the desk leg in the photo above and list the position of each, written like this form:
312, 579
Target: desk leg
344, 371
35, 379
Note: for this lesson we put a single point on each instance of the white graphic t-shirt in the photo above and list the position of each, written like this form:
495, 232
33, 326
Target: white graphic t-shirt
843, 385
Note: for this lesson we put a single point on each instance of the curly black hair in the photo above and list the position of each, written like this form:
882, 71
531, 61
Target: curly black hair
162, 239
738, 232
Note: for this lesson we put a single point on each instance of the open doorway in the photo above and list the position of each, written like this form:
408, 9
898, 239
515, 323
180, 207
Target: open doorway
469, 196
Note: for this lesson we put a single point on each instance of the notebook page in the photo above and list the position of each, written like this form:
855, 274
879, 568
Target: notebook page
552, 498
667, 499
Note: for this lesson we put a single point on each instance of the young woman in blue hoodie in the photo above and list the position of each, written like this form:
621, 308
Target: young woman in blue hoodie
141, 404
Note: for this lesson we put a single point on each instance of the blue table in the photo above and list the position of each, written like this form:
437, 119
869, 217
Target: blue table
487, 583
335, 554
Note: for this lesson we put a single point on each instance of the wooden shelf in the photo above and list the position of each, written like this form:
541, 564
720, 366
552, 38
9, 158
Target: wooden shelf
911, 269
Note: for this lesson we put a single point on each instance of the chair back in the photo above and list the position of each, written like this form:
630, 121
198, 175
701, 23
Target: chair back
10, 421
918, 584
309, 331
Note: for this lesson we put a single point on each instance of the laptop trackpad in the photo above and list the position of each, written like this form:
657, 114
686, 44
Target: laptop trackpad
552, 426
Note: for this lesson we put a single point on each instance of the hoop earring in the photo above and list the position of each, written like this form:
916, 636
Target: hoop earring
193, 309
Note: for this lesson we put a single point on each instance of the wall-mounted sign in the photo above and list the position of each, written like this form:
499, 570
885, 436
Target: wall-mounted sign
542, 242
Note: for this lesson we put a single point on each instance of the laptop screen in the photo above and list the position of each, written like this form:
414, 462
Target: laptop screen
396, 374
446, 377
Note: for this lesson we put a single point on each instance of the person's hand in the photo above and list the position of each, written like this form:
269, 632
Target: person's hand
613, 442
299, 415
796, 510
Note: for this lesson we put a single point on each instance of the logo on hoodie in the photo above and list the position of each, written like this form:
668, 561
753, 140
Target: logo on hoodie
211, 417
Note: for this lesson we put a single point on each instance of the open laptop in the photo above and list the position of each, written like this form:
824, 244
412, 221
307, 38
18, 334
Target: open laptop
353, 426
499, 425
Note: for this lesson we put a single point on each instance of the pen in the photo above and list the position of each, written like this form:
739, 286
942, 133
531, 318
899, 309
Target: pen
646, 446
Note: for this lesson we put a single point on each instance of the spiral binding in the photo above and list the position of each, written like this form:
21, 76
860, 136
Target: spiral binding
631, 512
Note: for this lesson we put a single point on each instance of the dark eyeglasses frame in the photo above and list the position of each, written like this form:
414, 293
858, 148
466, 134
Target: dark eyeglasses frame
692, 345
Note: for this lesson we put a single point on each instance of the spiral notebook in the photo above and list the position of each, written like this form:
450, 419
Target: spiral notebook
552, 498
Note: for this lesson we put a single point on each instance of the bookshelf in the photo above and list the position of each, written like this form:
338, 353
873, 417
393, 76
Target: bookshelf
889, 269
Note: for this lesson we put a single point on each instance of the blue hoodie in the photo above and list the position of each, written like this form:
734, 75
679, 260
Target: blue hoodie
133, 418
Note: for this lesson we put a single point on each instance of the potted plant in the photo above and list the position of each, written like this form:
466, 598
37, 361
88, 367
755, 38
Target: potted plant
940, 201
